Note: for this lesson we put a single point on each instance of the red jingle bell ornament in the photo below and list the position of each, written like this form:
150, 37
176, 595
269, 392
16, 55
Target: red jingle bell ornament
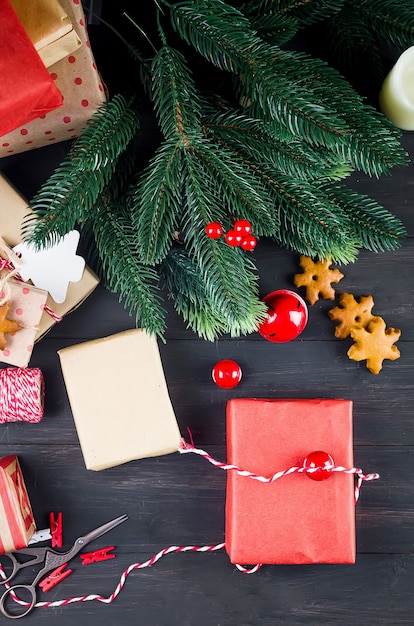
287, 316
322, 464
226, 374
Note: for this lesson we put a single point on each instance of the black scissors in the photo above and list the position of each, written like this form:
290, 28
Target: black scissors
51, 560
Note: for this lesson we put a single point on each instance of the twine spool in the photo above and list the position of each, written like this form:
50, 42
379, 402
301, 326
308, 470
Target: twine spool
21, 395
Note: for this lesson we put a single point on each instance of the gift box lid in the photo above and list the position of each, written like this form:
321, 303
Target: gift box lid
295, 519
49, 28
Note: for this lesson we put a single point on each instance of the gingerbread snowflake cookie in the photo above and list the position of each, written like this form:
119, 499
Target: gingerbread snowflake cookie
317, 277
374, 344
351, 313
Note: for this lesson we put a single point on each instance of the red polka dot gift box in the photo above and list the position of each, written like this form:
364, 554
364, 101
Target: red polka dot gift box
303, 517
25, 306
27, 90
77, 78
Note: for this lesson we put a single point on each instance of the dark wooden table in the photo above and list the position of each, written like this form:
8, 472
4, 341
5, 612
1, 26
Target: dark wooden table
179, 500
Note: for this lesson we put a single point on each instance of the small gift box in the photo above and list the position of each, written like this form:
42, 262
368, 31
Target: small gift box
77, 78
17, 523
48, 27
27, 90
13, 210
295, 519
119, 399
25, 306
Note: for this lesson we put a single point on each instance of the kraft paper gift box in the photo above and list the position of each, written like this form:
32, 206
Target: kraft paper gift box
17, 524
78, 80
13, 210
119, 399
48, 27
27, 91
294, 520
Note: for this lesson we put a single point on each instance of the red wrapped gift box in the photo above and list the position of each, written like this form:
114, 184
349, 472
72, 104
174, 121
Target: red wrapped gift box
77, 78
27, 90
16, 517
295, 519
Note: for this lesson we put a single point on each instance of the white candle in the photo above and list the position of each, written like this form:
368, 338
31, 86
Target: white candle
397, 93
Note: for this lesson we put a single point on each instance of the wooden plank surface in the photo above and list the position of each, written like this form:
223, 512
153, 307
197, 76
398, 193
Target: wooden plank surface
179, 499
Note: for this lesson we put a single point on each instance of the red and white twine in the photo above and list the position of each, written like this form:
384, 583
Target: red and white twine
21, 394
6, 264
186, 448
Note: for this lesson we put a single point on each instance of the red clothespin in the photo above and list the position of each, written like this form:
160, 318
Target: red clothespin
55, 578
98, 555
56, 530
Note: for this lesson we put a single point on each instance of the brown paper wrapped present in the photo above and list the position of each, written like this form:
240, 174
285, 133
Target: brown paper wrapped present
49, 28
119, 399
13, 210
77, 78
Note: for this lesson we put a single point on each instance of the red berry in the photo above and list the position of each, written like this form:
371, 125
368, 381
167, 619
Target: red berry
214, 230
226, 374
232, 238
248, 242
243, 227
321, 462
287, 316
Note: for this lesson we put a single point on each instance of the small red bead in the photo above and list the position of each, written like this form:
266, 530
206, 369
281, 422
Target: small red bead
214, 230
232, 238
248, 242
287, 316
226, 374
243, 227
322, 462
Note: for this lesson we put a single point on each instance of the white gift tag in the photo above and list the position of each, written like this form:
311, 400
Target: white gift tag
54, 267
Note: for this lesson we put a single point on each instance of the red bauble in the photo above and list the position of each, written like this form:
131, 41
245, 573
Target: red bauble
226, 374
320, 460
242, 227
214, 230
233, 238
248, 242
287, 316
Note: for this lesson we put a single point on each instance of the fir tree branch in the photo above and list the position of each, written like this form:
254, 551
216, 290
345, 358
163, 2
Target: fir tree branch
302, 93
228, 275
184, 284
276, 30
309, 215
306, 12
393, 21
375, 227
175, 97
124, 274
69, 194
263, 143
156, 202
239, 191
350, 45
273, 78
